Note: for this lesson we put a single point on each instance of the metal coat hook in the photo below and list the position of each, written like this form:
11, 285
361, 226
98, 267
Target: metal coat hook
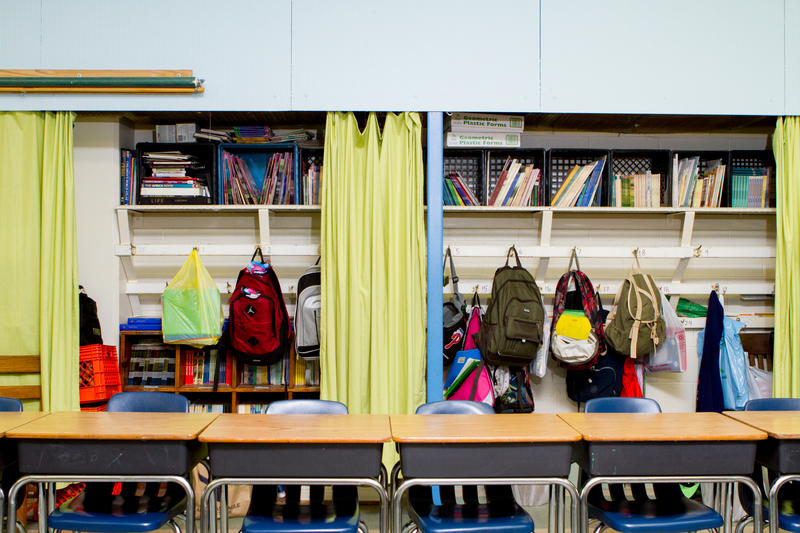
196, 248
229, 287
635, 252
697, 251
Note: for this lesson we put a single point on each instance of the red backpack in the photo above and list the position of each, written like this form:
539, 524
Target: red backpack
258, 327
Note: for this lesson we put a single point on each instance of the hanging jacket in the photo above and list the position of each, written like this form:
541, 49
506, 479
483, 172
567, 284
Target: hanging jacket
709, 384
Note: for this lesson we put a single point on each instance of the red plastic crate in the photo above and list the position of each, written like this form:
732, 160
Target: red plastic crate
96, 408
99, 374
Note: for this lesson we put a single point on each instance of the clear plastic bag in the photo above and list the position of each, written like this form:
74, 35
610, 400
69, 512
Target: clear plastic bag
670, 356
538, 366
759, 383
190, 307
733, 366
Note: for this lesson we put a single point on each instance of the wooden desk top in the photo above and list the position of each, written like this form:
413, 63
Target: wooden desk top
659, 427
9, 421
87, 425
777, 424
255, 428
532, 427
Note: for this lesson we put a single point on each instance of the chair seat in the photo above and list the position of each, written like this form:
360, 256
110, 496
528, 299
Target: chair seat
501, 513
71, 520
646, 515
305, 518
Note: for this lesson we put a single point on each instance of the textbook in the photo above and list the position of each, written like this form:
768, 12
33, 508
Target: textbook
482, 138
463, 360
473, 122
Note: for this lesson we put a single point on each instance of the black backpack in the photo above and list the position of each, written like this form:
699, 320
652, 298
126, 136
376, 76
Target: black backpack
512, 327
90, 325
307, 313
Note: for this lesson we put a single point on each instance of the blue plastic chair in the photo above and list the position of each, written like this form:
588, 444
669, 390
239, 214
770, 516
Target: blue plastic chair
266, 515
98, 510
789, 495
500, 513
669, 512
10, 405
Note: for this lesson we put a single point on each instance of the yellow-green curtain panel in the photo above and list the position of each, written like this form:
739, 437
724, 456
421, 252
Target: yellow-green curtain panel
373, 265
786, 359
39, 266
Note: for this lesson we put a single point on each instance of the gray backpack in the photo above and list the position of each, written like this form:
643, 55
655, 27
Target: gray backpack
307, 313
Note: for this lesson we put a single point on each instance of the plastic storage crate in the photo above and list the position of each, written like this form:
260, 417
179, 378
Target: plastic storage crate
310, 157
705, 157
206, 153
257, 157
496, 159
99, 374
640, 161
756, 159
469, 164
561, 160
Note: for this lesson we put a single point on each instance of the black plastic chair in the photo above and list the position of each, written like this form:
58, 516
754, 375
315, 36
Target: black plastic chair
500, 513
637, 512
132, 510
266, 515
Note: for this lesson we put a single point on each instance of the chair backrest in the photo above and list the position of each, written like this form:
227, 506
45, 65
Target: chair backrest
10, 405
773, 404
455, 407
622, 405
147, 402
306, 407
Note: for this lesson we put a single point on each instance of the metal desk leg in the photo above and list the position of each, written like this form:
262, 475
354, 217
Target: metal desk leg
553, 508
774, 512
223, 510
42, 511
561, 508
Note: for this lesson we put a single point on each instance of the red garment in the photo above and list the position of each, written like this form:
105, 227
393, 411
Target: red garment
630, 383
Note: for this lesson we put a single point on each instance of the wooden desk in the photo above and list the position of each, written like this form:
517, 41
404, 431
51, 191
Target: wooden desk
780, 452
8, 448
92, 446
664, 447
510, 449
249, 449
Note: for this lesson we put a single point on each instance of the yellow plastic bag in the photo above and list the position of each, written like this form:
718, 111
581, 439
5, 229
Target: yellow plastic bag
190, 307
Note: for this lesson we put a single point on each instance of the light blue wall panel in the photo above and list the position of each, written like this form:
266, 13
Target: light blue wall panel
415, 55
242, 49
20, 24
677, 57
792, 28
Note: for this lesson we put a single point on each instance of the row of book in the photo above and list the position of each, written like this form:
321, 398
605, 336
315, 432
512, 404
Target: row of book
696, 187
579, 188
127, 177
200, 365
456, 192
252, 408
276, 186
517, 186
636, 190
306, 372
152, 365
172, 174
312, 184
750, 187
262, 375
209, 408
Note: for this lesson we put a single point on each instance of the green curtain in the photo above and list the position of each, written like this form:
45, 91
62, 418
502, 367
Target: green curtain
786, 359
373, 265
39, 267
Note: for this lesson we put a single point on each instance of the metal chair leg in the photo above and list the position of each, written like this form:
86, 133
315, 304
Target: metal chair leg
410, 527
362, 527
174, 526
600, 528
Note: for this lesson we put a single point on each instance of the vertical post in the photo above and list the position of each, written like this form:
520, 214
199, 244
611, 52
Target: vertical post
435, 297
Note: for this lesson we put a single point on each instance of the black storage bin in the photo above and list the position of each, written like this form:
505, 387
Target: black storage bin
469, 165
705, 157
561, 160
496, 159
206, 153
308, 158
625, 162
756, 159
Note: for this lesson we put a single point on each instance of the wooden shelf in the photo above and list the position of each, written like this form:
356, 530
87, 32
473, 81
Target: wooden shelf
303, 388
233, 209
594, 211
139, 388
260, 388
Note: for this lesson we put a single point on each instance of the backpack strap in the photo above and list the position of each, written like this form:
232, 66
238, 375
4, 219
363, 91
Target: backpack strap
574, 256
457, 300
516, 255
476, 375
260, 255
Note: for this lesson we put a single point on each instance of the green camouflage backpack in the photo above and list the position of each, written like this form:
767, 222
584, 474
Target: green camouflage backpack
511, 331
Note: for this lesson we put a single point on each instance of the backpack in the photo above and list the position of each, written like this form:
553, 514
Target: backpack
307, 313
518, 397
258, 328
638, 327
90, 324
454, 320
577, 353
602, 380
512, 327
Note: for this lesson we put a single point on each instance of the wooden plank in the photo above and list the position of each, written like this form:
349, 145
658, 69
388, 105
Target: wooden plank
40, 73
480, 428
88, 425
20, 364
778, 424
628, 427
22, 392
354, 428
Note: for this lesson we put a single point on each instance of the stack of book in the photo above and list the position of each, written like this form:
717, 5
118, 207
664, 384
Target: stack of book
750, 187
580, 187
312, 184
636, 190
264, 134
200, 365
693, 189
482, 130
167, 179
517, 185
456, 191
261, 375
213, 135
142, 323
151, 365
276, 186
209, 408
252, 408
306, 372
127, 177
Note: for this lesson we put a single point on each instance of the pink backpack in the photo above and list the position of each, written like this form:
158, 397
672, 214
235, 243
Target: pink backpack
474, 322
